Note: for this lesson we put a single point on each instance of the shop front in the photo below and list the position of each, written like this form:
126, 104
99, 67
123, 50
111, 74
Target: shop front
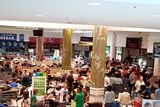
52, 47
10, 46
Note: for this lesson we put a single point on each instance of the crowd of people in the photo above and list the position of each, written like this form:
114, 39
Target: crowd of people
128, 84
124, 84
62, 89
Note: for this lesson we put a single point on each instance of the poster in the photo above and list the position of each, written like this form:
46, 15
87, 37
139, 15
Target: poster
156, 50
150, 103
39, 83
21, 37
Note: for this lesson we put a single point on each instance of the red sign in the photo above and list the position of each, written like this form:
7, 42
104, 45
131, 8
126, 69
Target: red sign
47, 40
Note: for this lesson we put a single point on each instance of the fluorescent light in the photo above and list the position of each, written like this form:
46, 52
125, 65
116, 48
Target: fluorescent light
39, 15
94, 4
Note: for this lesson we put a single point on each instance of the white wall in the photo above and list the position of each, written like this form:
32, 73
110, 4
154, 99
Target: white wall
28, 33
121, 38
153, 37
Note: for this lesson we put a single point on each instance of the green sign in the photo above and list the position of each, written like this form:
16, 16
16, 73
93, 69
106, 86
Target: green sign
108, 49
40, 84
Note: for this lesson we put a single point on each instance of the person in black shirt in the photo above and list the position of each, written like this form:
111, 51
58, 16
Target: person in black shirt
145, 93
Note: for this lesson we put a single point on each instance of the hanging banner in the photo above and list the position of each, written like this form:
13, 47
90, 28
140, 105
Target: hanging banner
39, 83
156, 50
8, 37
150, 103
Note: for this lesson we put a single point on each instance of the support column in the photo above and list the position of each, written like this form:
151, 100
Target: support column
113, 47
156, 67
67, 49
39, 48
98, 64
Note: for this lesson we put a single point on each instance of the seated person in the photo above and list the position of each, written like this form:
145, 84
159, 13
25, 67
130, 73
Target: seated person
13, 84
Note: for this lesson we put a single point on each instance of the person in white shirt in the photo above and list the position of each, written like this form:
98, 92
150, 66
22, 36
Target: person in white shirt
63, 93
124, 97
109, 97
139, 83
106, 82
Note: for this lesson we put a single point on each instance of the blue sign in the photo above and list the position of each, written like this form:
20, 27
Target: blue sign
21, 37
8, 37
12, 44
156, 50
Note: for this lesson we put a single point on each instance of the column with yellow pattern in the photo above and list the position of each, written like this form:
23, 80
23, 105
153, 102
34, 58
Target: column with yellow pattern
98, 63
67, 49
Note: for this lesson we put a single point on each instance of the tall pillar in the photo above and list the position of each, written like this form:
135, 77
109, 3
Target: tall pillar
67, 49
113, 46
98, 64
39, 48
156, 67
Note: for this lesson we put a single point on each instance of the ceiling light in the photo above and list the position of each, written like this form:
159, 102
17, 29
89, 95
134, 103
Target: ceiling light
39, 15
94, 4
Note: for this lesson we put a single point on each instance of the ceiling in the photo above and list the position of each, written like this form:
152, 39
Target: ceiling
114, 13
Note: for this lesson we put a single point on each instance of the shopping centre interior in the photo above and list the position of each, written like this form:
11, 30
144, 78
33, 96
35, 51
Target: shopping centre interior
79, 53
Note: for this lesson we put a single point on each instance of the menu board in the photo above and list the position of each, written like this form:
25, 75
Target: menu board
40, 84
134, 43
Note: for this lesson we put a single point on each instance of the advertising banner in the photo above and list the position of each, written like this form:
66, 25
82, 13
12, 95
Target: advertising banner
39, 82
8, 37
11, 44
156, 50
150, 103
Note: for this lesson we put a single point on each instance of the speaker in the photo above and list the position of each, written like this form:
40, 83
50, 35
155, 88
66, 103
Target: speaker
38, 32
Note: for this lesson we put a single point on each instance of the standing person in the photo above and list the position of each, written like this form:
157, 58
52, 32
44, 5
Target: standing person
139, 83
79, 98
157, 92
34, 98
63, 95
138, 100
125, 97
138, 71
132, 79
26, 101
117, 85
109, 97
106, 82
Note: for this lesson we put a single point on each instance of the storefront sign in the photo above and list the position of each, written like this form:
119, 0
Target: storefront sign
134, 43
108, 49
156, 50
150, 103
47, 40
86, 39
46, 46
8, 36
39, 83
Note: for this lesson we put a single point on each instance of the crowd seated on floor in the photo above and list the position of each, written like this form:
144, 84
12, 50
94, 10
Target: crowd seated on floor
123, 83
